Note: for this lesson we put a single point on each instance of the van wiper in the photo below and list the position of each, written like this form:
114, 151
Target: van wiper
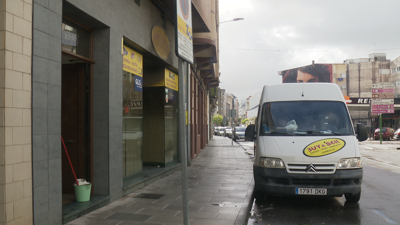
329, 132
275, 132
305, 132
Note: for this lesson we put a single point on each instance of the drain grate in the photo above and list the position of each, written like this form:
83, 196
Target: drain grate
149, 196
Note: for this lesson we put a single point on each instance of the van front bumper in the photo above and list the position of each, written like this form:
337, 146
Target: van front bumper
280, 182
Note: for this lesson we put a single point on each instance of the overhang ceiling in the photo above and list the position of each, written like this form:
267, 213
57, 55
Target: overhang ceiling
167, 8
204, 40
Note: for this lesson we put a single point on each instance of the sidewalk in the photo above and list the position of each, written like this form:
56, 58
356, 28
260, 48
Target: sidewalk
220, 184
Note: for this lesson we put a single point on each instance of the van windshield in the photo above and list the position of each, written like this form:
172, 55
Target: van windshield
307, 118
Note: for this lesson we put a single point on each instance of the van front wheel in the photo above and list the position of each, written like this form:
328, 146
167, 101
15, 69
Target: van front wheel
353, 198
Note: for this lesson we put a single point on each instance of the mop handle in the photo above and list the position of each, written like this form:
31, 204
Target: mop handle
69, 161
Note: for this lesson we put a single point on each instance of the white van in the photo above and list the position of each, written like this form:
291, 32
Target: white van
304, 142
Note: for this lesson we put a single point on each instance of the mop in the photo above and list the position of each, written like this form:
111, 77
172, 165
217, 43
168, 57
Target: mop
76, 180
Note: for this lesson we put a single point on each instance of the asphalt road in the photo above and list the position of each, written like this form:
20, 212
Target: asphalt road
379, 204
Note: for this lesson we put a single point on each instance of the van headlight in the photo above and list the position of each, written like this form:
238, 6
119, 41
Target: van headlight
272, 163
349, 163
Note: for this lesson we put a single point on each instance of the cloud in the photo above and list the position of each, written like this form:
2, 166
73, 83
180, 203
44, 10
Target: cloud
284, 34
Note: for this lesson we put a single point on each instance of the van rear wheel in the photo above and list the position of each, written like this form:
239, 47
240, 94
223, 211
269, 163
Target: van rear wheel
353, 198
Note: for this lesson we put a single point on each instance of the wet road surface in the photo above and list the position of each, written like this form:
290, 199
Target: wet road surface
379, 204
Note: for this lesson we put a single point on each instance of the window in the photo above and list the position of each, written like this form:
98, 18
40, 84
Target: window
132, 125
305, 118
343, 75
75, 39
343, 87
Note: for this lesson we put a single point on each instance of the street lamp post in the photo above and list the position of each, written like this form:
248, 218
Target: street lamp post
235, 19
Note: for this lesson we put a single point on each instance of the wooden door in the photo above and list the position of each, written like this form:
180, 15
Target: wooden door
72, 124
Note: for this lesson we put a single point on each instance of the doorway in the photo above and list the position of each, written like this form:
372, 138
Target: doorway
75, 125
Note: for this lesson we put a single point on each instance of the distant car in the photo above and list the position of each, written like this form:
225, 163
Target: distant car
397, 134
238, 133
387, 133
228, 132
216, 130
221, 131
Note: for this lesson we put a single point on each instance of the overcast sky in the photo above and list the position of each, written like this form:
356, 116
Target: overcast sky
276, 35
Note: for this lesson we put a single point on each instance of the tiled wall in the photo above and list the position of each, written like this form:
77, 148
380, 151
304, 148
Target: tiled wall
15, 112
46, 111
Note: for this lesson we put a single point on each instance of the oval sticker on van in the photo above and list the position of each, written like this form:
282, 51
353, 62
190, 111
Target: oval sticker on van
324, 147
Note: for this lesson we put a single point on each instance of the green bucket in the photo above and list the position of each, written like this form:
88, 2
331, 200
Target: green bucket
82, 192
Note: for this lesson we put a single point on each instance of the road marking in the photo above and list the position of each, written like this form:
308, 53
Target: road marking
367, 147
384, 216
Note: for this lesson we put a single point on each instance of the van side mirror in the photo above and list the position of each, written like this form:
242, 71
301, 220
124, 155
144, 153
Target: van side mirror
250, 133
362, 133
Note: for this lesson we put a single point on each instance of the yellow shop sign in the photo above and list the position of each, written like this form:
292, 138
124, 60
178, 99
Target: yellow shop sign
132, 61
324, 147
171, 80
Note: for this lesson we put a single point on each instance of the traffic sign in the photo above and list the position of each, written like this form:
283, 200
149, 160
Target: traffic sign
383, 86
382, 98
382, 111
382, 101
381, 95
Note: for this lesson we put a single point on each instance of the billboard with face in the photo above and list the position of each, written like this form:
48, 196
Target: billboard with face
310, 73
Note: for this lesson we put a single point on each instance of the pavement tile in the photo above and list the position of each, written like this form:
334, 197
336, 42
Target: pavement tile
227, 216
160, 219
208, 194
197, 221
219, 209
179, 220
136, 223
202, 215
166, 213
177, 207
93, 221
128, 216
220, 181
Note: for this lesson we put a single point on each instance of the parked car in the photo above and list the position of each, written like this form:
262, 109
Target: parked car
397, 134
228, 132
238, 133
387, 133
221, 131
216, 130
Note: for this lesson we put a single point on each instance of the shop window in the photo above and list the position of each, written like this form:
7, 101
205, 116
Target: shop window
171, 125
132, 126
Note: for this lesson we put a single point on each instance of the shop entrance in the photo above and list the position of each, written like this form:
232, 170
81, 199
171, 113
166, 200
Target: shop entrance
75, 124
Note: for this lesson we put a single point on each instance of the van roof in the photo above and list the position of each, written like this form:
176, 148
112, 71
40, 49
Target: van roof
301, 92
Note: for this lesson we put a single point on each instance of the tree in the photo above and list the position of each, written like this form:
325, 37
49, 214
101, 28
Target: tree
245, 121
217, 119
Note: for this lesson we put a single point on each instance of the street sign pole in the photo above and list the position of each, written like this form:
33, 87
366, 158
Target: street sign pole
233, 109
182, 139
184, 51
380, 127
232, 131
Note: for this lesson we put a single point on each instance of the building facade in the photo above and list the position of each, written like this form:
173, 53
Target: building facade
90, 89
355, 78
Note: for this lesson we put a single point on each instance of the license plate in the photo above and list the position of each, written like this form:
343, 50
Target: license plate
311, 191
